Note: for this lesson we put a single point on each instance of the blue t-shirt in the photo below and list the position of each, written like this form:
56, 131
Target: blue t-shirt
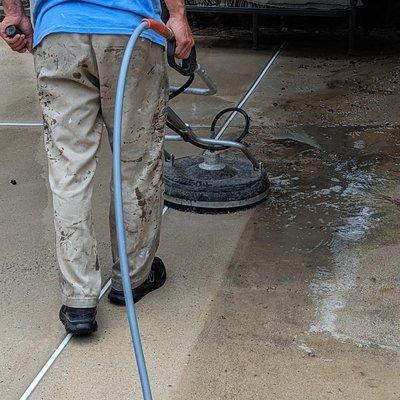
119, 17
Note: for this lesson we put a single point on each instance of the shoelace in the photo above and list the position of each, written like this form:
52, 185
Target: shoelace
152, 277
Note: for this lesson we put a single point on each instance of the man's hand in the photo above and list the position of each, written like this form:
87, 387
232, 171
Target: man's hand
183, 36
180, 26
19, 43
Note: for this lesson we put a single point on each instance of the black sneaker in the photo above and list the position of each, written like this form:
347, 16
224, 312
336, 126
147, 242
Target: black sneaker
79, 321
155, 280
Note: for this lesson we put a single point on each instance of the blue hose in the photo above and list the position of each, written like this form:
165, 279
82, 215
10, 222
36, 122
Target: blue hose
119, 213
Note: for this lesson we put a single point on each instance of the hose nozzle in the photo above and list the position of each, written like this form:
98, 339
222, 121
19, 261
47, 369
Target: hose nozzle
12, 31
160, 28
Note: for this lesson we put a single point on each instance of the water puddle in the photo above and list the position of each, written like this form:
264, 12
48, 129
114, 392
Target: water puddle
342, 183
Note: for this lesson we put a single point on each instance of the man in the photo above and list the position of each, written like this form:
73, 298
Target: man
78, 46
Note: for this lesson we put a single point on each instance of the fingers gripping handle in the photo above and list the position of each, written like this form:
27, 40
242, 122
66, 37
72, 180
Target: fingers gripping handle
188, 66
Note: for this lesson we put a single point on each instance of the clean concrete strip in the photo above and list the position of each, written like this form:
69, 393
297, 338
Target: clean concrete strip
62, 346
55, 355
250, 91
68, 337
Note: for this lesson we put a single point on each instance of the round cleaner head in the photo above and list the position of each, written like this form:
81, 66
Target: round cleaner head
214, 183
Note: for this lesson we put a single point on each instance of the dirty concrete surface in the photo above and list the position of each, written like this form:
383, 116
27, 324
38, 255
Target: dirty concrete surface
295, 299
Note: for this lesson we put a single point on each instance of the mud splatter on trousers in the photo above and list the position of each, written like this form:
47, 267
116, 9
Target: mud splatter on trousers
77, 78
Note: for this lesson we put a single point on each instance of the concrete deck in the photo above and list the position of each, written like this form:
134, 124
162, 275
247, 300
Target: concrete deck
296, 299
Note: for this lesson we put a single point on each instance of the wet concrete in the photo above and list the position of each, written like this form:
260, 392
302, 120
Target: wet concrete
309, 305
316, 83
297, 299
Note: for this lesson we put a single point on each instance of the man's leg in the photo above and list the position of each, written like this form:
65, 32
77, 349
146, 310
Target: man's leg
142, 146
69, 96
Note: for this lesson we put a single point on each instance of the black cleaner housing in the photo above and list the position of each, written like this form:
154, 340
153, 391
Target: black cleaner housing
214, 181
234, 186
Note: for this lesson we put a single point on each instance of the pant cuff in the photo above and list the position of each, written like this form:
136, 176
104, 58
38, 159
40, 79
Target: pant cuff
80, 303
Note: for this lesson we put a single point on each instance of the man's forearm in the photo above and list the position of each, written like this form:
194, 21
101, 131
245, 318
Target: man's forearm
13, 7
176, 7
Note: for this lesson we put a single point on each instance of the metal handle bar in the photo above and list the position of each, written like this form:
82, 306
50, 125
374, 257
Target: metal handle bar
211, 87
217, 142
186, 133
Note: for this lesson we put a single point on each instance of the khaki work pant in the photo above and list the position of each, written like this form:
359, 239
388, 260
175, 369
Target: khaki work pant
77, 77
